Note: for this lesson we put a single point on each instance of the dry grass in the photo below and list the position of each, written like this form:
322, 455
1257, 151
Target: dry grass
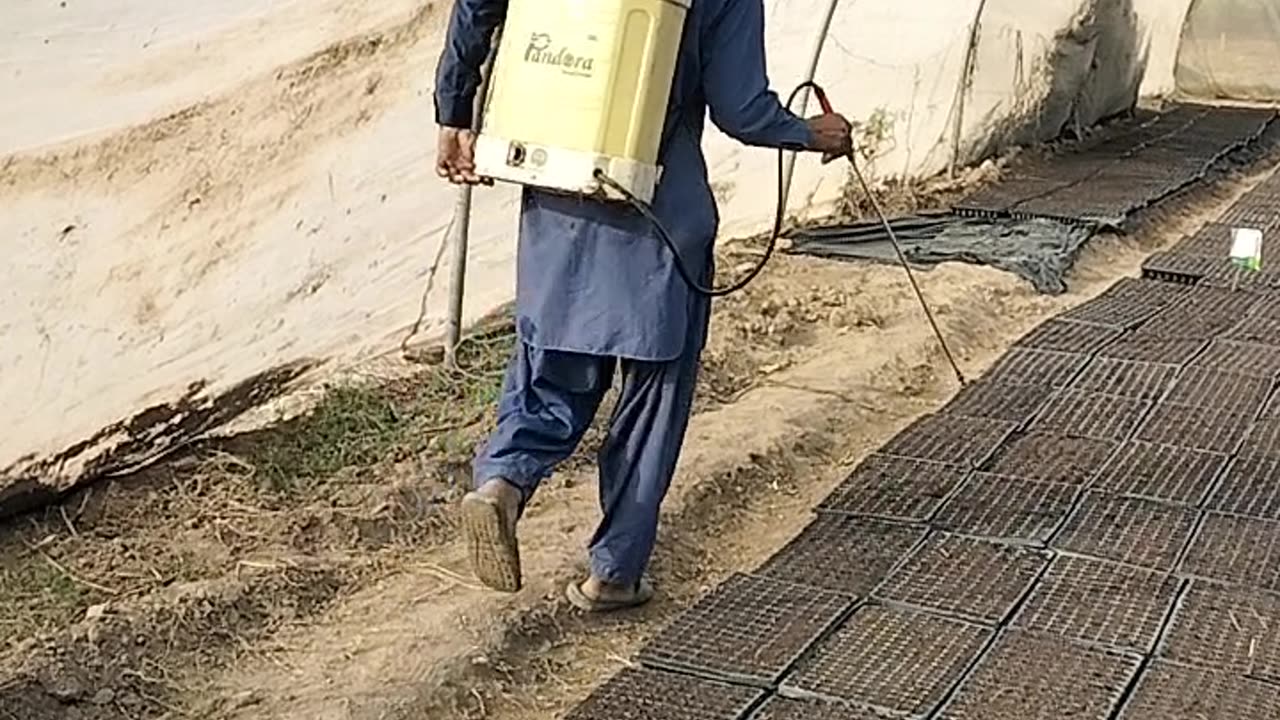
367, 469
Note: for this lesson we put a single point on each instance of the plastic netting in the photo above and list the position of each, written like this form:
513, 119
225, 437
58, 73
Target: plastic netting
1230, 50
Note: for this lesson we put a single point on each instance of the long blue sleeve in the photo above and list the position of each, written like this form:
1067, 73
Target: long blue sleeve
736, 82
466, 48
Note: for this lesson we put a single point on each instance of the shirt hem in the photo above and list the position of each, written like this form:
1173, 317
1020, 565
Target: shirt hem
599, 352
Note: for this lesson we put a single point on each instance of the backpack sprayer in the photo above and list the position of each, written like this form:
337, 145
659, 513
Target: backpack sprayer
577, 104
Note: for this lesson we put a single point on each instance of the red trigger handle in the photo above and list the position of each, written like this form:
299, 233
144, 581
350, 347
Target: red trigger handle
818, 91
822, 99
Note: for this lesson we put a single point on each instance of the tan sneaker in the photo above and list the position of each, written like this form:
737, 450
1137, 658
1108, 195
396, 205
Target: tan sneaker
489, 516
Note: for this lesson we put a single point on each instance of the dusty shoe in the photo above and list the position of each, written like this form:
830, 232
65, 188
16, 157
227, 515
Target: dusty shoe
489, 516
596, 597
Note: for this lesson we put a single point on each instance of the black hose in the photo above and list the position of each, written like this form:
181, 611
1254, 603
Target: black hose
779, 217
644, 209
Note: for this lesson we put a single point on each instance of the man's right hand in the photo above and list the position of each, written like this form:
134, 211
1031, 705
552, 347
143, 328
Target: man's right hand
832, 136
456, 156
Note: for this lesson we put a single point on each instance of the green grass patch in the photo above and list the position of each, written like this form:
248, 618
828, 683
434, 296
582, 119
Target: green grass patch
46, 596
440, 411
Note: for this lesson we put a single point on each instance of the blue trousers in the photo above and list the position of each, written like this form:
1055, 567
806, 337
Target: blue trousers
550, 398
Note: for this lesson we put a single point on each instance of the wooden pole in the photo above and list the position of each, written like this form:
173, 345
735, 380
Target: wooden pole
458, 241
460, 237
962, 89
789, 162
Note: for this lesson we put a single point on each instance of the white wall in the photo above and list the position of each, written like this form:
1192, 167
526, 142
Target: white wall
905, 59
1163, 21
1230, 50
290, 210
902, 59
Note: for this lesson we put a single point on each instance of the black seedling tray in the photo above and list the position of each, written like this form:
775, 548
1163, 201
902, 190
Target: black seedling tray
966, 578
899, 660
749, 630
843, 554
1134, 531
1100, 602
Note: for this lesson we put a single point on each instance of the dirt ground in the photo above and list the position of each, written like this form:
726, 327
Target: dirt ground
312, 569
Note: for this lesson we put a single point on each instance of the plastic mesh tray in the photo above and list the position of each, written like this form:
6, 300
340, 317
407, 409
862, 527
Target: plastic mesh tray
1250, 487
898, 660
1125, 304
1154, 350
1227, 629
1100, 602
1077, 167
1156, 294
782, 708
1223, 125
1252, 346
952, 439
1166, 164
1242, 282
896, 488
1198, 428
643, 694
1117, 312
1253, 212
843, 554
1029, 676
1069, 337
1091, 415
1161, 472
1263, 439
1114, 193
1084, 204
1127, 378
967, 578
1037, 367
1245, 358
1219, 304
1212, 388
1170, 692
1180, 268
1268, 305
1052, 458
1134, 531
1212, 240
1002, 196
1187, 323
1261, 212
1269, 185
749, 630
1006, 508
1238, 550
1261, 199
1000, 401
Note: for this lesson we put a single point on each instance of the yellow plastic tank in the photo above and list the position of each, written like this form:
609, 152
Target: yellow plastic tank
581, 85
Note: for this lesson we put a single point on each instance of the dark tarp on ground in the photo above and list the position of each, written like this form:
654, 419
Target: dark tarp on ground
1040, 251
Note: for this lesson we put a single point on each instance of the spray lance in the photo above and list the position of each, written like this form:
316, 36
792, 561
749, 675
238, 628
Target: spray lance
607, 67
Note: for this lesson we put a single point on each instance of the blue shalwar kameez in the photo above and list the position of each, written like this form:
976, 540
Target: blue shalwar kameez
598, 293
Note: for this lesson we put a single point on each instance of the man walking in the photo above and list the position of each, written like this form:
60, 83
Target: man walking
598, 294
